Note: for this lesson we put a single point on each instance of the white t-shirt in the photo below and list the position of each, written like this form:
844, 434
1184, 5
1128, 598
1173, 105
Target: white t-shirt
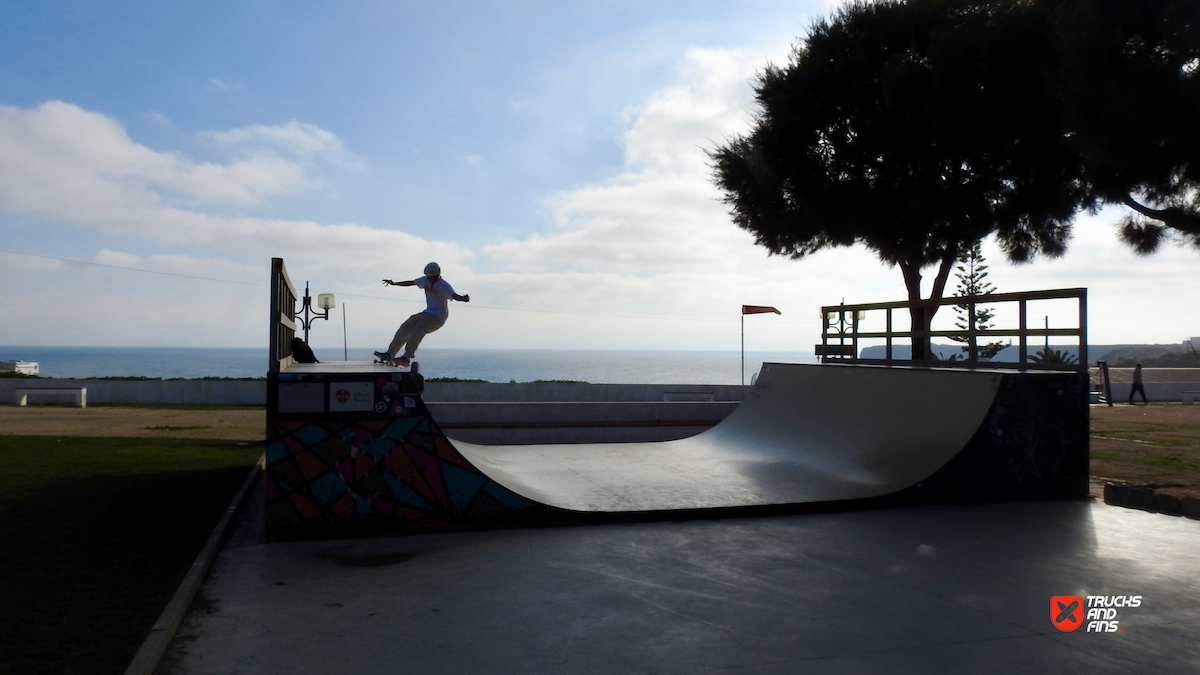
437, 296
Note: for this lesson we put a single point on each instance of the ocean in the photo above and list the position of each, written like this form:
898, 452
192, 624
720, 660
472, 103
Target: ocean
492, 365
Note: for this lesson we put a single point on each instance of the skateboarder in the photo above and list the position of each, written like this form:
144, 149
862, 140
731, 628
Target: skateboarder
438, 294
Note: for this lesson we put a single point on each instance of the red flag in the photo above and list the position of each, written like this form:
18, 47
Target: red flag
756, 309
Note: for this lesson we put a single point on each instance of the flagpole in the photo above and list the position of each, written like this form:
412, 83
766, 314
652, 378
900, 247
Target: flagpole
751, 309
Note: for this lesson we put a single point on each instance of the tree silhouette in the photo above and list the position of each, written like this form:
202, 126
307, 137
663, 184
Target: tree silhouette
1048, 355
972, 280
1128, 79
917, 129
914, 129
911, 129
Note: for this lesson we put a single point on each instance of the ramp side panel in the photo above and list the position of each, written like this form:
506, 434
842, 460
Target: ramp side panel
807, 433
359, 451
1033, 445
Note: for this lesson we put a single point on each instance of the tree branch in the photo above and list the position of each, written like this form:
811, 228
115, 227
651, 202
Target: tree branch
1175, 218
912, 277
939, 282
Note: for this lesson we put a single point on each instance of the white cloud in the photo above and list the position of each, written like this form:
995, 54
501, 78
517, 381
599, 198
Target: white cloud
215, 268
661, 213
160, 119
75, 165
655, 240
219, 86
292, 138
671, 130
80, 168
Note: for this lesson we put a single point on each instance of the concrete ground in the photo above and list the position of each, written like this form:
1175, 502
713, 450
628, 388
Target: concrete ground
945, 589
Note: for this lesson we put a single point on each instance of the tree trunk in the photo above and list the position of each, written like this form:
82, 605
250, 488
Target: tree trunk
916, 313
922, 316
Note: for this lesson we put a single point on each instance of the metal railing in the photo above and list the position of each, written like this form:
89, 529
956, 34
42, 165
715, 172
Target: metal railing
283, 316
840, 332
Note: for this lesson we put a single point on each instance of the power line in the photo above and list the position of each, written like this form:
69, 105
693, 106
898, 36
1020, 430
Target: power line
547, 311
133, 269
561, 313
389, 299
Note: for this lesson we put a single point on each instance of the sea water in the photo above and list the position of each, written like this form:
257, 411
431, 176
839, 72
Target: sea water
492, 365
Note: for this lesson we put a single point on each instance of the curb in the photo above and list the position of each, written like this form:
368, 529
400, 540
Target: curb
1146, 499
155, 645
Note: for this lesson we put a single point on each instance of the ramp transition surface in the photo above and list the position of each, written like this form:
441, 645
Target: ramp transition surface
805, 434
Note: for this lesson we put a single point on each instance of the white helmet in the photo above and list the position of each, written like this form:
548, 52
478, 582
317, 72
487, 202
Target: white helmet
432, 268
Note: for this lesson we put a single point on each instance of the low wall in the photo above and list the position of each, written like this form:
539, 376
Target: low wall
1155, 391
151, 392
254, 392
537, 392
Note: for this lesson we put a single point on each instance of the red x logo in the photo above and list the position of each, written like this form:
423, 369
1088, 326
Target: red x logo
1066, 612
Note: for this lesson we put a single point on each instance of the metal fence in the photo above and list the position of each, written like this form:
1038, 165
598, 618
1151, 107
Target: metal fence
840, 333
283, 316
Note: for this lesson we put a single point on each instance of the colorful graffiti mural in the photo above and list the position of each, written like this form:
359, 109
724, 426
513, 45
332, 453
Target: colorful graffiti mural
389, 465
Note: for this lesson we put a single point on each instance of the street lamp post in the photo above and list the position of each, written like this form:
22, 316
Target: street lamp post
325, 301
837, 327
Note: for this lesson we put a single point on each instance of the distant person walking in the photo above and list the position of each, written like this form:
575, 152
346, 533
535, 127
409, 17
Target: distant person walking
438, 295
1137, 385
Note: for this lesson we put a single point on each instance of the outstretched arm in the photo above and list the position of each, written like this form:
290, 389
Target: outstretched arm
461, 298
389, 282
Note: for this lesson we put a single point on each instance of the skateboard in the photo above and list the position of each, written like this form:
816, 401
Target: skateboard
398, 362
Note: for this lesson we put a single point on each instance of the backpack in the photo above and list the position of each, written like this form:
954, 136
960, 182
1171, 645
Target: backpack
301, 353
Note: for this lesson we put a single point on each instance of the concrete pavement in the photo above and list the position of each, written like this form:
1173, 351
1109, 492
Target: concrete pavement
908, 590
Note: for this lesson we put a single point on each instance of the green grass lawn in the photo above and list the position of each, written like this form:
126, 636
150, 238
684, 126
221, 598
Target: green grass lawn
95, 536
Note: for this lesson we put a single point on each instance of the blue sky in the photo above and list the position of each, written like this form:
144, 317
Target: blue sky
549, 155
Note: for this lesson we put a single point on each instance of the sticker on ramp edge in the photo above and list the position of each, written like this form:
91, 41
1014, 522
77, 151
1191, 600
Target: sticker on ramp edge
351, 396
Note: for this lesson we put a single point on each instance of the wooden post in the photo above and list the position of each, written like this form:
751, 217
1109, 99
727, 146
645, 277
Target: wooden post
1023, 349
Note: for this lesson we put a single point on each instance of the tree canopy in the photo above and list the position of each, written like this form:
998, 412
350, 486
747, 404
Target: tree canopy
912, 129
918, 128
1128, 83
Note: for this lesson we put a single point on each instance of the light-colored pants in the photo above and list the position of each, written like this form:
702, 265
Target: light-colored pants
413, 331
